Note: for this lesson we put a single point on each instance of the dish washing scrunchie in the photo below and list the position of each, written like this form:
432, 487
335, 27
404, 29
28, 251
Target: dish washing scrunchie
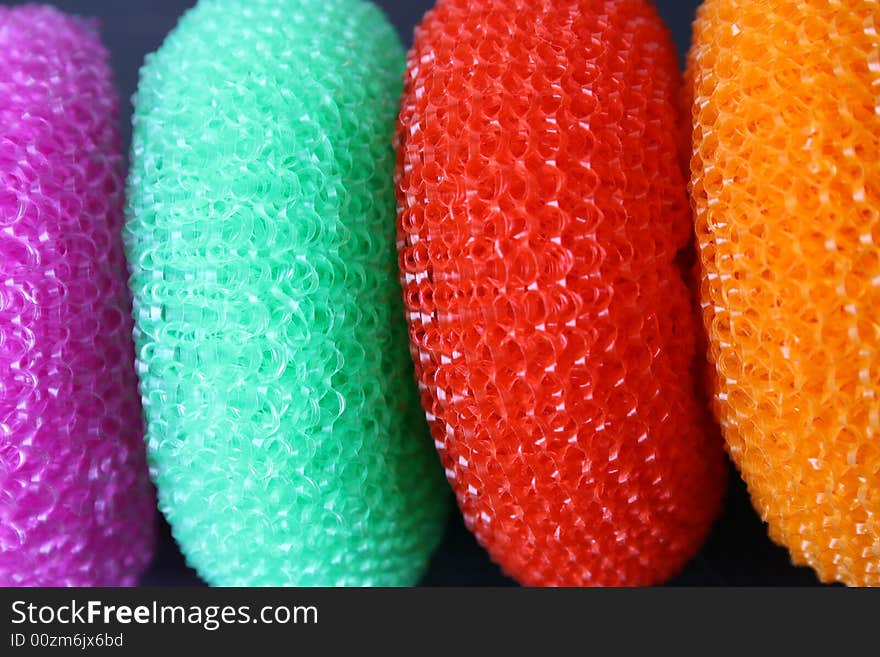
284, 430
543, 206
76, 505
786, 189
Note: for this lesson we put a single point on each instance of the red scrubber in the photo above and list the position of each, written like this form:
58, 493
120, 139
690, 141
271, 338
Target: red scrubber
542, 207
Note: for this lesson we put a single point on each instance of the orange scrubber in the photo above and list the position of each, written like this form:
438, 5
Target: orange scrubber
786, 188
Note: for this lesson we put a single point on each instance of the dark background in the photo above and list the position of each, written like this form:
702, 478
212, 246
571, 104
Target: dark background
738, 551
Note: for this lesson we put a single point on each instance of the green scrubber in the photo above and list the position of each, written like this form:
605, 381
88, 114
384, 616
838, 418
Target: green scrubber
285, 434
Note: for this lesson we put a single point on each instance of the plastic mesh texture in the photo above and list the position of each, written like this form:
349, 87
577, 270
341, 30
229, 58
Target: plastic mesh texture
786, 190
284, 429
76, 505
542, 204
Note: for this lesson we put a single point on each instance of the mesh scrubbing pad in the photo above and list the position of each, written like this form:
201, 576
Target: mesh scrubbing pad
786, 188
542, 205
284, 429
76, 506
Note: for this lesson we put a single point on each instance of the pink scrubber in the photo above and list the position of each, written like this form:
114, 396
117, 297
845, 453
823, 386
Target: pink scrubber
76, 507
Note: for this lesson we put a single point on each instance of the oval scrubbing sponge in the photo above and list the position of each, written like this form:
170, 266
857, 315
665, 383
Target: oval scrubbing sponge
786, 187
284, 431
76, 506
543, 204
